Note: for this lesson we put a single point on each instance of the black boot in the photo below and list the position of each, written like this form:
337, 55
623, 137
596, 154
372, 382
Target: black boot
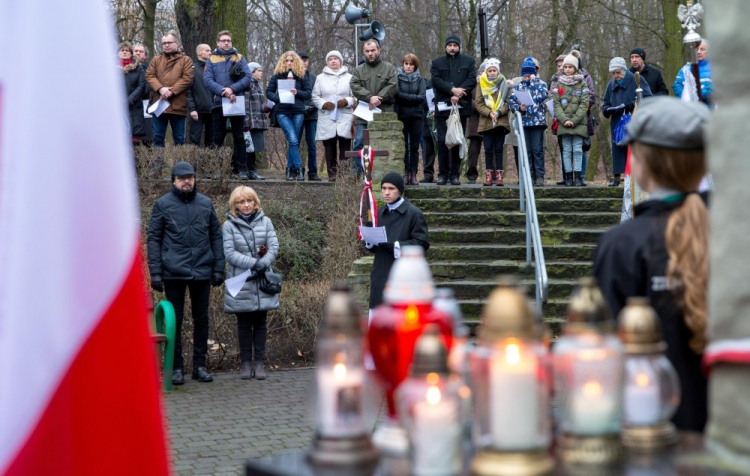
577, 179
254, 175
301, 175
615, 181
289, 177
569, 179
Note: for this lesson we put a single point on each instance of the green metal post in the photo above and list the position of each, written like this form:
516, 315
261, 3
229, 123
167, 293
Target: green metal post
166, 324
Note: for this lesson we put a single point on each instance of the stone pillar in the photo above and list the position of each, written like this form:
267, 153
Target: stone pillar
385, 134
728, 432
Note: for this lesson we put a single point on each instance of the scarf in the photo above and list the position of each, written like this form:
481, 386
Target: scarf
126, 62
408, 77
490, 89
570, 80
248, 218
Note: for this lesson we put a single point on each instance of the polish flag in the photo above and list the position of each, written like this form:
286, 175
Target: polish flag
79, 389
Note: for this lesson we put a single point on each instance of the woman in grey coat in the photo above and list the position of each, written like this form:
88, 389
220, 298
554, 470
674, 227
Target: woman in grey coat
249, 243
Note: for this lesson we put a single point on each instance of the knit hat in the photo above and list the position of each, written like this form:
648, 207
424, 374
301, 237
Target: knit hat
528, 66
253, 66
180, 169
394, 178
494, 62
640, 52
618, 62
336, 54
572, 59
453, 39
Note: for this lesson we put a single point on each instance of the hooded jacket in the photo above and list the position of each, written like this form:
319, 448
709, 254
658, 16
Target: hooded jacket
328, 84
174, 71
534, 115
217, 75
571, 103
448, 72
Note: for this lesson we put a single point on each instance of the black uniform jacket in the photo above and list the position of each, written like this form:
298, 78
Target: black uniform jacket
631, 260
457, 71
405, 224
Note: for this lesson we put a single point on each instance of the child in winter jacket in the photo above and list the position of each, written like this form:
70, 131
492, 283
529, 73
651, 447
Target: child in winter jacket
571, 102
491, 103
533, 117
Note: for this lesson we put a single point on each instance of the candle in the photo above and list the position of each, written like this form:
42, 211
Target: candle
515, 406
592, 410
340, 401
642, 401
436, 443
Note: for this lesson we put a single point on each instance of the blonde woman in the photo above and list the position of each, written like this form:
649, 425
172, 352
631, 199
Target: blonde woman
249, 243
291, 117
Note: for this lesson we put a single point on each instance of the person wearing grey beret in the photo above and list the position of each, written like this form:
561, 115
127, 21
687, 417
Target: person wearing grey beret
662, 254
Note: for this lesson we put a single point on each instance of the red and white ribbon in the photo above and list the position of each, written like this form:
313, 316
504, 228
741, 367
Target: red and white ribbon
367, 198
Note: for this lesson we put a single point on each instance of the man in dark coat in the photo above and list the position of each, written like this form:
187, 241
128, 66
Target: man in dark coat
200, 100
185, 251
653, 76
404, 225
310, 125
454, 77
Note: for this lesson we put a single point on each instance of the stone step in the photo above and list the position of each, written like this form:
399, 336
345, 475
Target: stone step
513, 236
480, 252
554, 312
479, 204
476, 289
478, 191
518, 219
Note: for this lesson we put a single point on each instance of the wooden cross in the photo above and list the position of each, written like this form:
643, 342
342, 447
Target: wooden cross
367, 202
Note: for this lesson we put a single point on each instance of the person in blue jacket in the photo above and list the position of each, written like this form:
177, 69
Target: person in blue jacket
704, 71
227, 76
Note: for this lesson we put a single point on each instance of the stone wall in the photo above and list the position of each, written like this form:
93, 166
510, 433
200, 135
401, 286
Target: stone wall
385, 134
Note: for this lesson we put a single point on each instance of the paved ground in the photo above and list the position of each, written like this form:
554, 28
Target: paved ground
215, 427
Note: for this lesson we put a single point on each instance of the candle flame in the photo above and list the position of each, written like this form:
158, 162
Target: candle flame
512, 354
432, 378
433, 395
642, 380
592, 389
411, 314
464, 392
339, 371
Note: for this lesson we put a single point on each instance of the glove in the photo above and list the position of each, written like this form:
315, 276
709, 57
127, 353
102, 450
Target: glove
342, 103
629, 107
328, 105
258, 267
157, 284
217, 280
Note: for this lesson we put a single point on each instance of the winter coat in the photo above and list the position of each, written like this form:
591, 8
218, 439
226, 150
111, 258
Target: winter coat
199, 98
311, 112
328, 84
255, 103
184, 237
572, 106
241, 242
704, 72
174, 71
410, 97
135, 84
304, 92
217, 75
655, 80
375, 79
534, 115
405, 224
485, 123
453, 71
631, 260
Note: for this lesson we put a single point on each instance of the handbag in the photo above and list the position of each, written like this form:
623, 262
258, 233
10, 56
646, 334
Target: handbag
586, 143
455, 133
249, 146
272, 118
270, 282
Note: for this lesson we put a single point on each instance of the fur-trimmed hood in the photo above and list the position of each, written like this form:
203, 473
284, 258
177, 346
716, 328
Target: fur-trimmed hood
131, 67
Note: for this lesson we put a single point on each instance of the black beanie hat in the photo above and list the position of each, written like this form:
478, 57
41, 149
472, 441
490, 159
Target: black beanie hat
182, 168
453, 39
395, 178
640, 52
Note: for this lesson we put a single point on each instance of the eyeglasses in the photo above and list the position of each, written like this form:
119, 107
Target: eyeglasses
164, 43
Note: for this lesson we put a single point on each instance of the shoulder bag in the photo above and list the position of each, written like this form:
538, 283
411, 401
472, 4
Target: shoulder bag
268, 282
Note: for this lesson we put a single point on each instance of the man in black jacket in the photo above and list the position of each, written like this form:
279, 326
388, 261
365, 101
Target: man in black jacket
185, 251
653, 76
200, 101
404, 225
454, 77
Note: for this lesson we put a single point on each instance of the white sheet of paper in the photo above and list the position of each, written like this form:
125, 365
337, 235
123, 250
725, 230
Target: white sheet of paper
363, 111
158, 107
335, 114
234, 285
430, 98
444, 106
524, 98
550, 107
236, 109
270, 104
373, 235
146, 115
285, 87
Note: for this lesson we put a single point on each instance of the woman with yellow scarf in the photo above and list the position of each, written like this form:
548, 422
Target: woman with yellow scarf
491, 101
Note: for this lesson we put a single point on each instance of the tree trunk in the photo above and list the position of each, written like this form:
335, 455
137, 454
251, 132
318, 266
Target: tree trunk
230, 15
149, 19
672, 38
194, 22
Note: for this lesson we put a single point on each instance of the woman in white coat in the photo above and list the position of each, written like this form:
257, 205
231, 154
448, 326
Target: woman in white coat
333, 97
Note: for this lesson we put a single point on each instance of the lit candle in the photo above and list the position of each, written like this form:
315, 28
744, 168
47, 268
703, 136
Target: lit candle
436, 446
515, 407
592, 410
340, 397
641, 401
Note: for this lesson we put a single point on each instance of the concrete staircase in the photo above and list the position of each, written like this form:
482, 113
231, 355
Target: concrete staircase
478, 233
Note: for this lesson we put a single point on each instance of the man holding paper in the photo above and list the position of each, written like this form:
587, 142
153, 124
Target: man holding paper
404, 225
228, 77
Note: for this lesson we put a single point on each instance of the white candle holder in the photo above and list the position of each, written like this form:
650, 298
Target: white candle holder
652, 389
512, 433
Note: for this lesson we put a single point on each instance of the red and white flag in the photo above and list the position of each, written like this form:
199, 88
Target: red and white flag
79, 390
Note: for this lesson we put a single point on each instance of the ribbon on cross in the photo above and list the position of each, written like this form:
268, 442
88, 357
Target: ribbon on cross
367, 204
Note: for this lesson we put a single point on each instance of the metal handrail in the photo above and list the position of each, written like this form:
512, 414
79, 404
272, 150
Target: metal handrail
528, 205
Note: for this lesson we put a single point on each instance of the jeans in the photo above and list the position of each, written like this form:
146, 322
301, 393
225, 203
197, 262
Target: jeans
291, 125
494, 140
200, 291
309, 129
412, 130
251, 334
572, 149
585, 164
220, 133
449, 162
359, 143
534, 136
160, 128
205, 123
